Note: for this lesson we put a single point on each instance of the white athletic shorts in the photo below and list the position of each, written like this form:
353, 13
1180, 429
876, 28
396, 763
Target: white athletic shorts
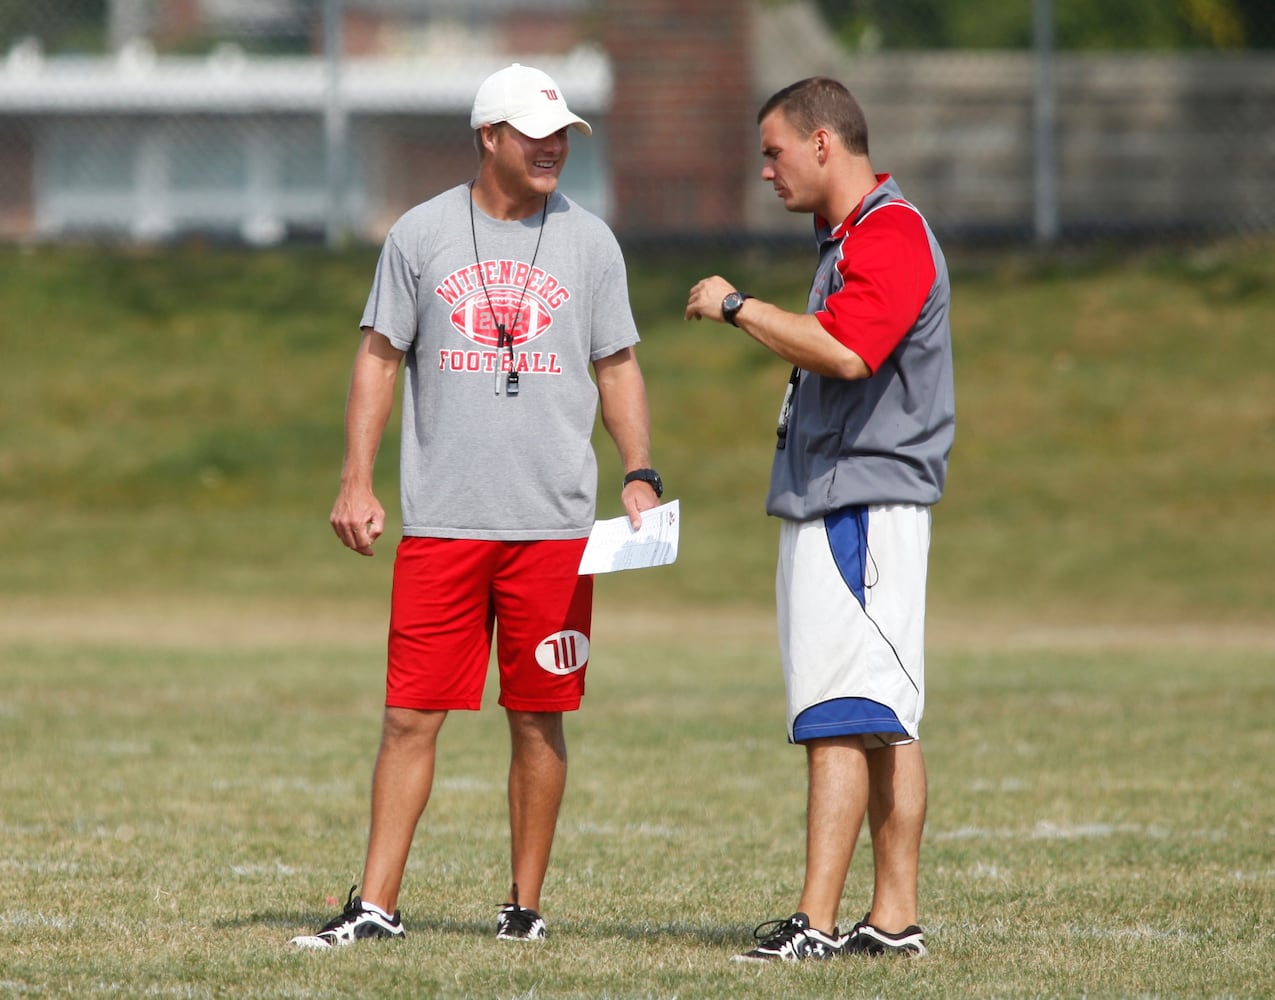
850, 594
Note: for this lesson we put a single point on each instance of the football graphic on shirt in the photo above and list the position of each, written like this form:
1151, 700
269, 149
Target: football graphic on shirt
521, 297
474, 318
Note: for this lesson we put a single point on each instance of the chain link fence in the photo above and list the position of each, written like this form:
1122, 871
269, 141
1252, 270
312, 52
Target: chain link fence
272, 120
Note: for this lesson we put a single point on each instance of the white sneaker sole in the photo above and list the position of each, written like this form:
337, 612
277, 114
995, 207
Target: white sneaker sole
312, 942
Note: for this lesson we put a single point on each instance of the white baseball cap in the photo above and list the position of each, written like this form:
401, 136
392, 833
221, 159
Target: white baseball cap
527, 99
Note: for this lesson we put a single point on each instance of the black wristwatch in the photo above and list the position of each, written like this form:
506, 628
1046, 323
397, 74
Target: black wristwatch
732, 304
646, 476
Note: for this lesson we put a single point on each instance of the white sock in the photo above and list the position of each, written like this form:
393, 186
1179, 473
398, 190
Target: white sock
376, 909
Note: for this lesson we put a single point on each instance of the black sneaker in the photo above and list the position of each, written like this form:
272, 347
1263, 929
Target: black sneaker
356, 923
517, 923
792, 940
864, 939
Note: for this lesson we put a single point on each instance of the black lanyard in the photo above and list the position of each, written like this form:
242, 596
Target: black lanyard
505, 338
785, 408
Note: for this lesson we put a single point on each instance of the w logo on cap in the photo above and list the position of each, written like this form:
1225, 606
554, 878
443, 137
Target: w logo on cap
526, 98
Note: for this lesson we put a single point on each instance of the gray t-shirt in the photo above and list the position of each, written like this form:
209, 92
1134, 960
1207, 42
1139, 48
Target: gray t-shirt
474, 463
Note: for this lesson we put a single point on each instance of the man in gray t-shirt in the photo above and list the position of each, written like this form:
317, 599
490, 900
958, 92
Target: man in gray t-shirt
496, 297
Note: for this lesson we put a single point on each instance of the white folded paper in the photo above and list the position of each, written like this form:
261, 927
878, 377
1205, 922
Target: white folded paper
614, 545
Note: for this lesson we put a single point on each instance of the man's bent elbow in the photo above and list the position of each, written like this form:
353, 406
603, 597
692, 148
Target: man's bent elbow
850, 367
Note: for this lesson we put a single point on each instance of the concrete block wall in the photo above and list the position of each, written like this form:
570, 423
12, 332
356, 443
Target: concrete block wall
1143, 141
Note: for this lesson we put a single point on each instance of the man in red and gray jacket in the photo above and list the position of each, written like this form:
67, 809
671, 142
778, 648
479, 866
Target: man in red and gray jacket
865, 431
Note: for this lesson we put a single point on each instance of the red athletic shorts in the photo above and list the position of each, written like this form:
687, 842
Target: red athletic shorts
448, 595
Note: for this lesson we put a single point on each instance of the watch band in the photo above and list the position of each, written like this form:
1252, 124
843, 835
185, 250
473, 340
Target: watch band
648, 476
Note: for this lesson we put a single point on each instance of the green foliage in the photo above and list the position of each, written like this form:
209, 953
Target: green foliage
1085, 25
66, 26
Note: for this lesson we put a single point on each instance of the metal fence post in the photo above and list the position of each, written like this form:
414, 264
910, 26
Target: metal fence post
335, 124
1044, 115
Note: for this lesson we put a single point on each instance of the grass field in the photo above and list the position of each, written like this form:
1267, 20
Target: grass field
192, 665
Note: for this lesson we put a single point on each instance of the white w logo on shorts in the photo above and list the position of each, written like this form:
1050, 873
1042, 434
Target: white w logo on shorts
563, 652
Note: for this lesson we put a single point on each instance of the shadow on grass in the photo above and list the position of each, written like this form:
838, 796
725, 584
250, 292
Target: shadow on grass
584, 929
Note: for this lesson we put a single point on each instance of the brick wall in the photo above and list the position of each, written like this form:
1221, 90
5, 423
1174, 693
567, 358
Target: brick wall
532, 31
681, 121
177, 21
17, 184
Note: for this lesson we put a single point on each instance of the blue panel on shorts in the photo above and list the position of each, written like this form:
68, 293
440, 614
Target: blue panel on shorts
848, 538
845, 717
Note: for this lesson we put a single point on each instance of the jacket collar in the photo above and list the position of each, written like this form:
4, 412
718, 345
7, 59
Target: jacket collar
885, 191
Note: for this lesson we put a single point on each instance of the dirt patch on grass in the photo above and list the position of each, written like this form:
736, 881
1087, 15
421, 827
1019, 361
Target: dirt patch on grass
184, 622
